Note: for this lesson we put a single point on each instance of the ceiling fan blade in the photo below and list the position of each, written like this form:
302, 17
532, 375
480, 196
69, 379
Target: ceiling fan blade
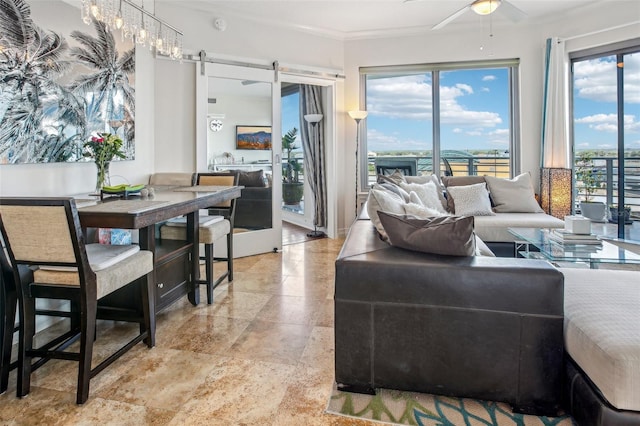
512, 12
451, 18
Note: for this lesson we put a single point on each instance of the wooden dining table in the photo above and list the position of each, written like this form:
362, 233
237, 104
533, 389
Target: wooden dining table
177, 266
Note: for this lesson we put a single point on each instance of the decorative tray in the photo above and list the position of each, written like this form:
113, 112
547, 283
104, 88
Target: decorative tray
121, 190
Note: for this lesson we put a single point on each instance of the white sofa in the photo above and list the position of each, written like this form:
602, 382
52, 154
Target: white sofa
602, 344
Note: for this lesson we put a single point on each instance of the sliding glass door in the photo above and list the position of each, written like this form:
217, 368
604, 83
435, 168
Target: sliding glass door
606, 127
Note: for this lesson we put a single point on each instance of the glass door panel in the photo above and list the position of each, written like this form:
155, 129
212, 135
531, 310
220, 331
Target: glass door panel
242, 106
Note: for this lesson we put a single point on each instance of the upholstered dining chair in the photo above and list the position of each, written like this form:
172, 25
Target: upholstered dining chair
44, 234
172, 179
211, 230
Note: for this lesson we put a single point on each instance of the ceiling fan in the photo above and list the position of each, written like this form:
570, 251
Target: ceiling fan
484, 7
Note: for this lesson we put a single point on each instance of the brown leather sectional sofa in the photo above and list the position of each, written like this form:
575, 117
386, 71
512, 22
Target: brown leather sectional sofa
481, 327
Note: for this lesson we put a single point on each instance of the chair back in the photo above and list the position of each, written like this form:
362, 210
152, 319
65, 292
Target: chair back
45, 232
172, 179
227, 208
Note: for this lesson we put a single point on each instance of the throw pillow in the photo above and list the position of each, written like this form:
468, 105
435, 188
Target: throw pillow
396, 189
396, 177
449, 181
413, 198
428, 194
513, 195
471, 200
448, 235
383, 200
421, 212
254, 179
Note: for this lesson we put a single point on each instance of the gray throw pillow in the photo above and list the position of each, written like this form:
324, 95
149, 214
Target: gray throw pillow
251, 179
446, 235
513, 195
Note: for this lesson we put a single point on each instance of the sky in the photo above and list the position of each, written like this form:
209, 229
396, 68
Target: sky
595, 103
475, 108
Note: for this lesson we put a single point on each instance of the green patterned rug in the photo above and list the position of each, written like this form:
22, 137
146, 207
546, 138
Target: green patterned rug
420, 409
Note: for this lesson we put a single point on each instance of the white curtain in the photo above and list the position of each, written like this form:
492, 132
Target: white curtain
556, 149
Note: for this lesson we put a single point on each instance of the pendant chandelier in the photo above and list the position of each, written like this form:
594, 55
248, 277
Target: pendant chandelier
136, 23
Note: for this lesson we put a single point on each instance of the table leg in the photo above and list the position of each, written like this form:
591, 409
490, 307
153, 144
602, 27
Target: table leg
194, 238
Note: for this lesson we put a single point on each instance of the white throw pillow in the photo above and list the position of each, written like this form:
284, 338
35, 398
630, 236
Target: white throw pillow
386, 201
428, 194
471, 200
513, 195
413, 198
421, 212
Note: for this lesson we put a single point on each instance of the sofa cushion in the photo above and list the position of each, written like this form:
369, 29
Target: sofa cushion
513, 195
448, 181
494, 228
448, 235
601, 333
471, 200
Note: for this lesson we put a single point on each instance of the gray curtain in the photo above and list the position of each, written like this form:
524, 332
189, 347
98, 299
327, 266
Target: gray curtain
314, 150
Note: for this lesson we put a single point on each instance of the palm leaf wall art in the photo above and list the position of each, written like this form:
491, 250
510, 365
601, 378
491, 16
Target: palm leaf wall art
54, 96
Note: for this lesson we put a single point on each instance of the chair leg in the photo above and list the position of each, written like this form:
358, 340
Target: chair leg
208, 265
27, 330
87, 337
8, 322
148, 309
230, 254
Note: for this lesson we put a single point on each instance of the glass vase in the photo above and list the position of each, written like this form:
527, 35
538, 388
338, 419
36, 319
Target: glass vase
102, 175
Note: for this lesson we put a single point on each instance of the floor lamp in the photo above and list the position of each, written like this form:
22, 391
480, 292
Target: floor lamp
314, 119
357, 116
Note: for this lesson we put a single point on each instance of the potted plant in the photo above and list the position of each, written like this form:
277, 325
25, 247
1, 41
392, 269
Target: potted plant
613, 214
292, 188
590, 179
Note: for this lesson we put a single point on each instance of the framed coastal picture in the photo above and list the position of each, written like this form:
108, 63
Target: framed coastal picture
253, 137
61, 82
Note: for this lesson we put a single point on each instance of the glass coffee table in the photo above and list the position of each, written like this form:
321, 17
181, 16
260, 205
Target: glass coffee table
548, 249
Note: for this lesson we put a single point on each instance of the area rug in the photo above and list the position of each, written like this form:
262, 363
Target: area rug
410, 408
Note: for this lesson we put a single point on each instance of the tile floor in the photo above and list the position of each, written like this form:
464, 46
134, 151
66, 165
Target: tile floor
262, 354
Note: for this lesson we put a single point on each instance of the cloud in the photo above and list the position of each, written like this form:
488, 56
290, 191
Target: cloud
379, 141
457, 130
409, 97
465, 88
609, 122
595, 79
485, 89
489, 78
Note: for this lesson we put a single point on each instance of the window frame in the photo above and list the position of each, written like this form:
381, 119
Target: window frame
434, 69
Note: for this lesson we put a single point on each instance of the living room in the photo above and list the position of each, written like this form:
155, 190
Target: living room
169, 136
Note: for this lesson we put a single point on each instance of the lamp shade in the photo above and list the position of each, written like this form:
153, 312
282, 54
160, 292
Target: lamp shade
313, 118
485, 7
358, 115
555, 191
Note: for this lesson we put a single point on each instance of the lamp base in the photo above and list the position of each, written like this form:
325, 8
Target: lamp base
316, 234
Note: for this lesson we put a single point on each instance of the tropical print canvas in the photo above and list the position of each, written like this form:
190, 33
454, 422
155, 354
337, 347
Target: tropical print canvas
57, 90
